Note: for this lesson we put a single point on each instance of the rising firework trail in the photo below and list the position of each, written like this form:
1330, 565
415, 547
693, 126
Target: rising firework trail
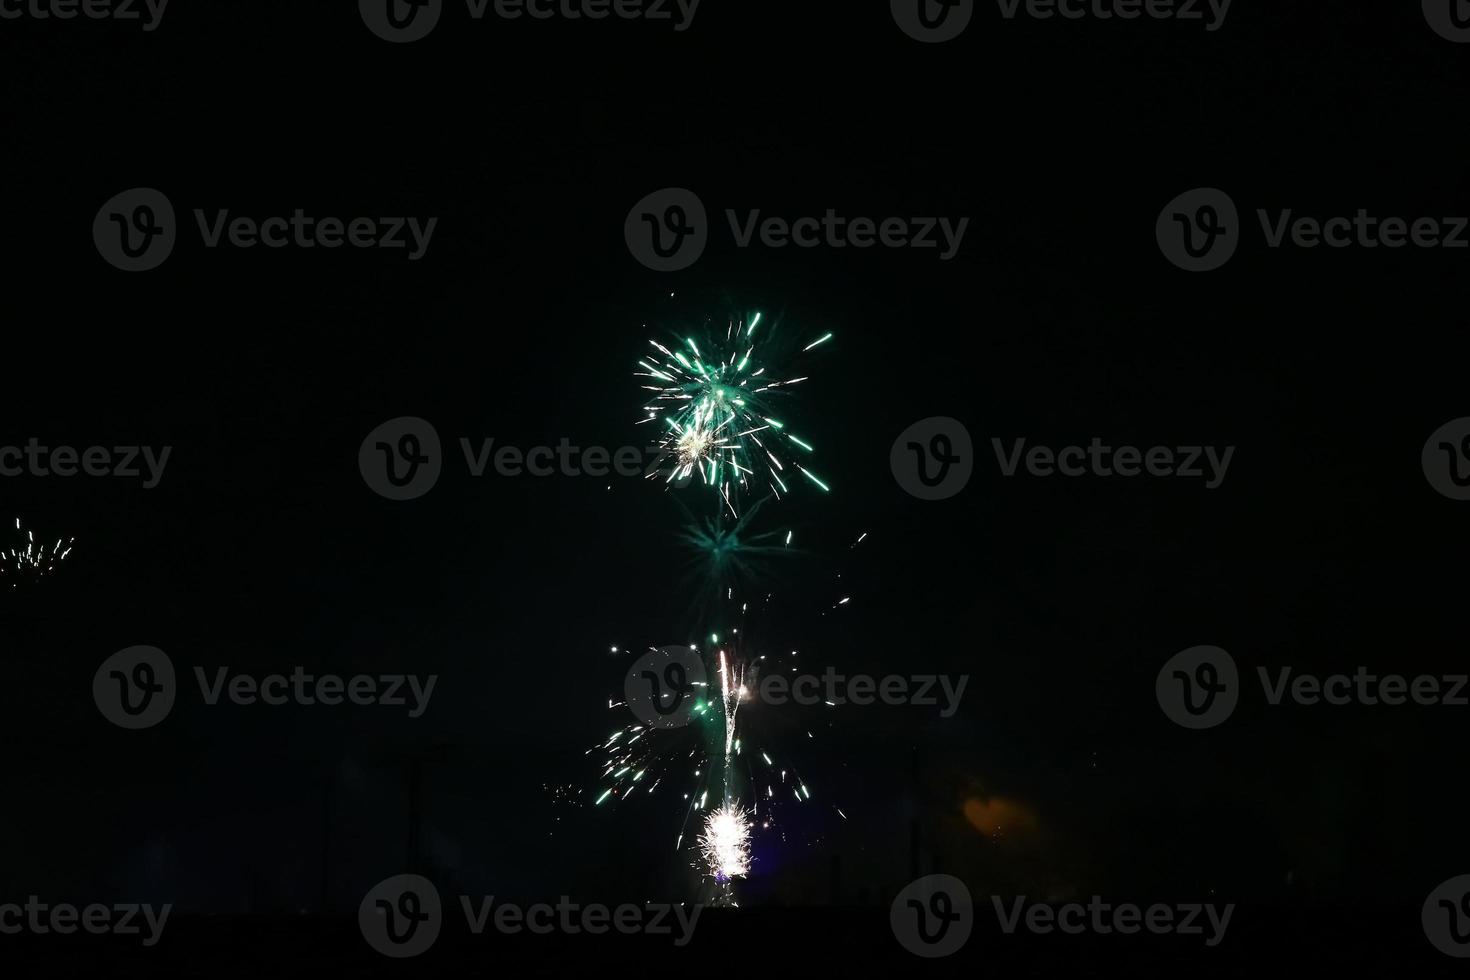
725, 842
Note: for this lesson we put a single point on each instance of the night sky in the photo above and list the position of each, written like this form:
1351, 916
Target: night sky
1059, 320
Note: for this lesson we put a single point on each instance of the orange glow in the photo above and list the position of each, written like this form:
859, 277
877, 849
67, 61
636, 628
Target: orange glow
998, 815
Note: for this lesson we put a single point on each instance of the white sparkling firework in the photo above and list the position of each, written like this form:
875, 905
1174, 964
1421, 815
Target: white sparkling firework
725, 843
695, 767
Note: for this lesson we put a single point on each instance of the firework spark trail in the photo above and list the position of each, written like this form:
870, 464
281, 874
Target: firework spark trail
725, 843
730, 695
28, 562
716, 412
702, 761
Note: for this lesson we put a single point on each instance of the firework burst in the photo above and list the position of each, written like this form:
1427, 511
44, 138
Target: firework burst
714, 406
714, 402
27, 562
725, 843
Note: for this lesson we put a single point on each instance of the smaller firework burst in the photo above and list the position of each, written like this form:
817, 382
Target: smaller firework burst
725, 843
714, 407
28, 562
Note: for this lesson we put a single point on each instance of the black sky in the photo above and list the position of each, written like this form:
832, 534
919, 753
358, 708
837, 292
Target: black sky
1058, 321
